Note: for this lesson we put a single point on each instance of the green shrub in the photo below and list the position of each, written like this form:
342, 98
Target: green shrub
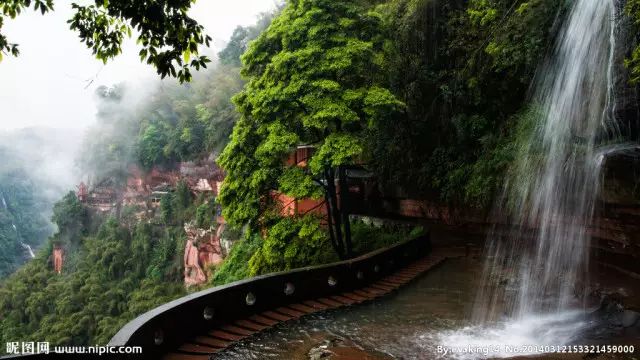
235, 267
367, 238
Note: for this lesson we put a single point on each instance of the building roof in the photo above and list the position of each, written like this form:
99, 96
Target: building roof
202, 186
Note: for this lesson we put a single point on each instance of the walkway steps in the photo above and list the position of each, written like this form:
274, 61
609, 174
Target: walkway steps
205, 347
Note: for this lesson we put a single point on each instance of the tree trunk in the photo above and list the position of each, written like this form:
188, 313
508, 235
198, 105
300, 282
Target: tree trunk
334, 242
335, 211
344, 209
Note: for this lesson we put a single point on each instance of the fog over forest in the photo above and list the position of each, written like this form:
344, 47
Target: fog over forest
51, 111
51, 84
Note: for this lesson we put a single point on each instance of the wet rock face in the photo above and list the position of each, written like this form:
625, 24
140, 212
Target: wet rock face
620, 170
611, 305
616, 228
630, 318
202, 250
614, 313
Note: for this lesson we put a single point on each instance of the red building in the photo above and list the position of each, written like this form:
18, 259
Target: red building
290, 206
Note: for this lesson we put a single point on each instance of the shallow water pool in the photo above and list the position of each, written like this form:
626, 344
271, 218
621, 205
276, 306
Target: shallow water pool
390, 327
412, 323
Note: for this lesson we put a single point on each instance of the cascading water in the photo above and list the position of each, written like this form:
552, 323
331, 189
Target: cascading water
534, 275
553, 192
26, 247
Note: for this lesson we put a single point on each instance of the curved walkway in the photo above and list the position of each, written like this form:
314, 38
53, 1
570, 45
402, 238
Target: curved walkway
203, 346
200, 325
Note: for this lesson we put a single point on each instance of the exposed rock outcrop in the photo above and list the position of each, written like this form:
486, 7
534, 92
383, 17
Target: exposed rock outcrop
202, 250
145, 189
58, 259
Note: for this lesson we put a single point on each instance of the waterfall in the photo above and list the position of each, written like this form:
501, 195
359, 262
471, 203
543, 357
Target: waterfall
26, 247
29, 250
535, 274
552, 192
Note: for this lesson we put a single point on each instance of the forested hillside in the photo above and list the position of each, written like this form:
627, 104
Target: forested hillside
116, 266
32, 178
23, 221
430, 97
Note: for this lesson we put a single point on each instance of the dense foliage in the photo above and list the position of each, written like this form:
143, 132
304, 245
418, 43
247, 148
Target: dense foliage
112, 272
632, 8
463, 69
176, 123
429, 94
167, 122
117, 268
313, 80
367, 237
167, 35
114, 275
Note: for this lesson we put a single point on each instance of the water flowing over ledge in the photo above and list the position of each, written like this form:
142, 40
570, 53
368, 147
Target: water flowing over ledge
533, 292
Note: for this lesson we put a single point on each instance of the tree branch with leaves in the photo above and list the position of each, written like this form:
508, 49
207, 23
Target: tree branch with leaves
168, 37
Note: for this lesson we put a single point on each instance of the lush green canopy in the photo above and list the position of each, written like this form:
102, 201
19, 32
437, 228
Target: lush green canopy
168, 37
314, 79
463, 68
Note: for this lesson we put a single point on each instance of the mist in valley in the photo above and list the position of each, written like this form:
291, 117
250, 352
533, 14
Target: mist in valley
67, 118
37, 168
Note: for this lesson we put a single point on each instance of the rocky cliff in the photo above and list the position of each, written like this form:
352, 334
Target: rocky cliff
140, 193
203, 250
58, 259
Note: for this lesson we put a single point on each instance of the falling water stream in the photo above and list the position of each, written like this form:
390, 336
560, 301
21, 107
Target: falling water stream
26, 247
535, 276
553, 191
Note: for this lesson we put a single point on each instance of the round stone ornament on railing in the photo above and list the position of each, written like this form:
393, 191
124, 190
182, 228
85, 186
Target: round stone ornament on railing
158, 337
208, 313
250, 299
289, 289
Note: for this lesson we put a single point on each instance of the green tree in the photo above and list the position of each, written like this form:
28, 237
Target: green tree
168, 37
231, 54
71, 217
182, 196
151, 146
22, 219
111, 142
206, 214
166, 208
313, 79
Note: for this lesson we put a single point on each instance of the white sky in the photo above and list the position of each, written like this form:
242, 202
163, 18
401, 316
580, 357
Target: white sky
47, 84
